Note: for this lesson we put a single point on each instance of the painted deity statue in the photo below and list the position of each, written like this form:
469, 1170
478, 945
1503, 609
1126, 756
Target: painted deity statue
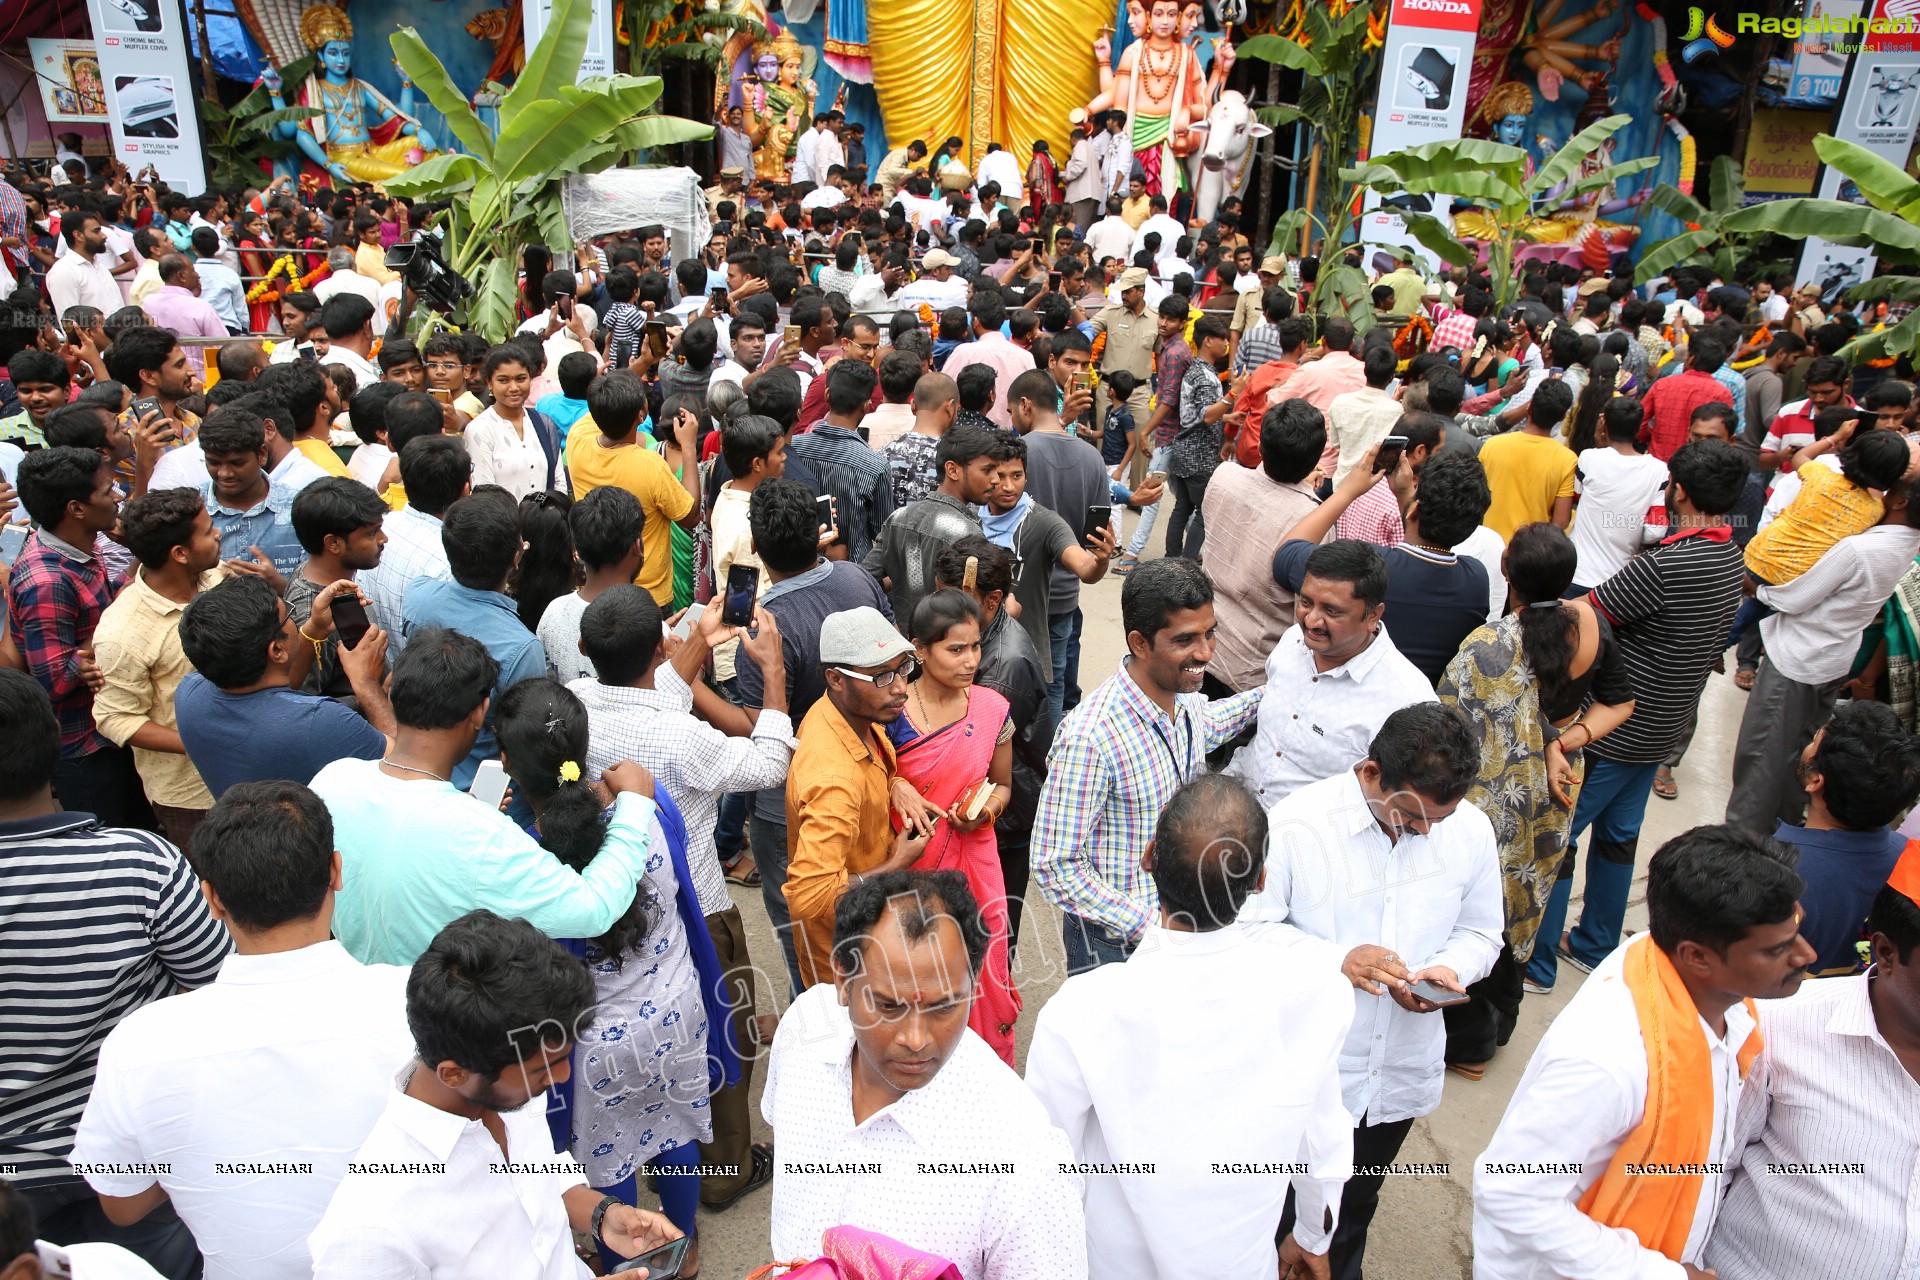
1546, 49
1162, 87
363, 137
1558, 219
779, 105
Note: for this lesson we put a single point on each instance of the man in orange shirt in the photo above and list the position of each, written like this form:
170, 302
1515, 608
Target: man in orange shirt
1263, 389
840, 782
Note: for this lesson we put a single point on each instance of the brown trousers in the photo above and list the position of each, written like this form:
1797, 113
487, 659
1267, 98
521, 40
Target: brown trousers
732, 1145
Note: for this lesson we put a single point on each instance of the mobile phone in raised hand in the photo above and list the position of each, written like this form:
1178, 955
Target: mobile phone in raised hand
489, 783
350, 620
743, 588
1389, 456
1097, 518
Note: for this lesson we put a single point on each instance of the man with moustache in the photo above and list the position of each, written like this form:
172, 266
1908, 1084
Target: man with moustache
839, 785
1119, 757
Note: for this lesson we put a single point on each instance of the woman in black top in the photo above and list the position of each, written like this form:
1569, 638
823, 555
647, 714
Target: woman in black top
1537, 686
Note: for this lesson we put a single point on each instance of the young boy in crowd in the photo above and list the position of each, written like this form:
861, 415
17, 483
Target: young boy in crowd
1831, 505
400, 362
577, 370
43, 384
1116, 433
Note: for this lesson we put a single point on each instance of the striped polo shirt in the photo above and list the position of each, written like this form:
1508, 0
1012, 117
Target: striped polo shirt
1670, 607
94, 922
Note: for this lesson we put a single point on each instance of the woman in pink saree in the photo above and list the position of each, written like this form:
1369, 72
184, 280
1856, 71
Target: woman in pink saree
953, 743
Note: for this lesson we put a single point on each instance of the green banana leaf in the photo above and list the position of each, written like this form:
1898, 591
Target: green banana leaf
1726, 187
431, 78
1281, 50
1438, 237
1468, 184
1896, 239
1885, 185
1566, 161
553, 63
1664, 255
1683, 207
1898, 340
447, 174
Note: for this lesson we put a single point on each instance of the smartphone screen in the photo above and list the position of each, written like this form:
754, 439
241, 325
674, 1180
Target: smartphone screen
563, 307
350, 620
13, 539
743, 588
663, 1263
1433, 993
1097, 518
719, 299
656, 331
1389, 456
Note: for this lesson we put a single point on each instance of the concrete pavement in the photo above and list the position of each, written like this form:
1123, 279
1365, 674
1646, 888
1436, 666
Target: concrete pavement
1423, 1230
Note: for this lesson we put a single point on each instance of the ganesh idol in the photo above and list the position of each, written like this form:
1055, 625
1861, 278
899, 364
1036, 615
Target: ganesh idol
363, 137
1162, 87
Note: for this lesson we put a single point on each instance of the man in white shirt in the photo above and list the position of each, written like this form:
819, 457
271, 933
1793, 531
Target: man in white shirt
251, 1094
435, 471
459, 1178
1556, 1192
1358, 420
879, 1072
1168, 229
1110, 237
344, 279
1837, 1080
937, 286
1387, 863
1248, 997
1334, 678
877, 292
806, 148
1001, 167
347, 320
1811, 638
84, 276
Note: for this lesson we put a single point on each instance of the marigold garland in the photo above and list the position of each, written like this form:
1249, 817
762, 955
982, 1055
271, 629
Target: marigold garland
264, 291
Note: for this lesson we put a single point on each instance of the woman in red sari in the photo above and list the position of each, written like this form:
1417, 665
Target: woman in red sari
256, 256
954, 737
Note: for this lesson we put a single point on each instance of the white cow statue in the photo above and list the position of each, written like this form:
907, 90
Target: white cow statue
1222, 168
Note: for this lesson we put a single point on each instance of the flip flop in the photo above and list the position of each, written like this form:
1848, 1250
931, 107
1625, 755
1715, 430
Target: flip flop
1125, 565
1744, 678
1468, 1070
1664, 786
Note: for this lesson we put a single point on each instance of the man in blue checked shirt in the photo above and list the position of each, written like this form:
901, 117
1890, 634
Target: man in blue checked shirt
1120, 755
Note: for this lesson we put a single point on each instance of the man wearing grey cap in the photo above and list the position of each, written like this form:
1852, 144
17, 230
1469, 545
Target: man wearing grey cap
840, 783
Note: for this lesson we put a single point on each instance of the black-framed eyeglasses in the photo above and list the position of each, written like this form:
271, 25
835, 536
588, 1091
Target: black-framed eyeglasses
884, 679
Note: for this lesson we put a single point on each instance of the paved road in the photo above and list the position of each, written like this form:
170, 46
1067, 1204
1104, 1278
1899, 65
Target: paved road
1423, 1230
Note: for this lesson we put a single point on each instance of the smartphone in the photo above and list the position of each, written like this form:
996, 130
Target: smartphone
1155, 477
824, 507
1390, 450
13, 538
688, 620
791, 335
1097, 518
663, 1263
306, 352
1433, 993
563, 306
442, 394
144, 405
1053, 280
350, 620
656, 335
719, 300
489, 783
743, 588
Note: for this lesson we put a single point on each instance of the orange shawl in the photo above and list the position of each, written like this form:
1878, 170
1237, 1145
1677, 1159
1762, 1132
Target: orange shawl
1677, 1128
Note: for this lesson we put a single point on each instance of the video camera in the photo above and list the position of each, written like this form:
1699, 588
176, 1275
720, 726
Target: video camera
420, 265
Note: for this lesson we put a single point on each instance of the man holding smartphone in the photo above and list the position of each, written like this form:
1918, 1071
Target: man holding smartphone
1414, 896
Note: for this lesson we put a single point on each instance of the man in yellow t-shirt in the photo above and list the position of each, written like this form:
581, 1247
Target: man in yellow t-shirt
604, 448
1529, 473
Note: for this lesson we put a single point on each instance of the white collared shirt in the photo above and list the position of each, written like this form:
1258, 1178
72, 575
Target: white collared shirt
1248, 996
1815, 630
454, 1205
1315, 724
1434, 899
1828, 1093
252, 1092
1024, 1225
513, 459
413, 550
364, 371
1584, 1091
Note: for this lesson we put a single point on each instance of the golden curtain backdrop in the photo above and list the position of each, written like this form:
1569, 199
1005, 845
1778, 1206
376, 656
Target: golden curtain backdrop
1005, 71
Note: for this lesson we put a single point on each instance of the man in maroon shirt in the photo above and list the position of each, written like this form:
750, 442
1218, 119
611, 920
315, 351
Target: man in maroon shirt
1670, 402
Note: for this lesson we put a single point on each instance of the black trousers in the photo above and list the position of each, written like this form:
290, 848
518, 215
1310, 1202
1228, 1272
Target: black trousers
1373, 1145
70, 1213
1485, 1023
1015, 868
105, 784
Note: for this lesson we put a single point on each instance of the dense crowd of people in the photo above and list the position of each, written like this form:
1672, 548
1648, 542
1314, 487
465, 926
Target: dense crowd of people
402, 732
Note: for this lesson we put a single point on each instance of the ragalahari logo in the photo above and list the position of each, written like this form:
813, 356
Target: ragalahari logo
1703, 37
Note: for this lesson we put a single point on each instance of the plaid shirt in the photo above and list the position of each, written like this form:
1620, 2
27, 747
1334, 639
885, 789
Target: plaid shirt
1116, 762
1670, 403
1169, 370
1455, 331
13, 222
56, 597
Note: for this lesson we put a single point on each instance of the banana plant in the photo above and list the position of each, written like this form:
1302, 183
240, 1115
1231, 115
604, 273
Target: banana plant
1493, 176
655, 33
1706, 237
505, 192
1888, 223
240, 138
1336, 67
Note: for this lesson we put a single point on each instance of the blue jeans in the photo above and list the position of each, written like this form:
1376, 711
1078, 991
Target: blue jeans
1090, 945
1144, 530
1613, 801
770, 855
1063, 641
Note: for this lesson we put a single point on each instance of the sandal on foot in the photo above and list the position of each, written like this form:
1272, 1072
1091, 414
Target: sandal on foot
1125, 565
1468, 1070
750, 877
762, 1154
1664, 786
1744, 678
